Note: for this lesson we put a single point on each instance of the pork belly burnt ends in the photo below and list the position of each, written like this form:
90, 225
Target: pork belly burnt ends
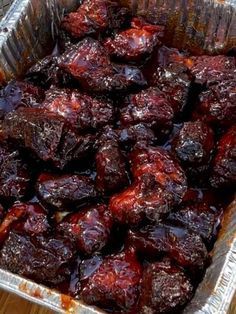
117, 159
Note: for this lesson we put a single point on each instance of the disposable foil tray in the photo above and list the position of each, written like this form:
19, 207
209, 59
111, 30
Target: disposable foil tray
26, 34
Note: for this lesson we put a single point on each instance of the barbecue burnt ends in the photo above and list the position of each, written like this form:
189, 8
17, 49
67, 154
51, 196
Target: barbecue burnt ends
117, 160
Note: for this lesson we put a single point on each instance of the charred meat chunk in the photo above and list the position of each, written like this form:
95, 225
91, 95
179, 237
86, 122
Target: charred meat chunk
19, 94
200, 218
151, 107
217, 105
174, 81
94, 16
14, 174
143, 200
90, 228
89, 63
43, 259
194, 144
165, 288
211, 69
26, 218
136, 134
180, 245
47, 135
115, 283
159, 163
81, 111
111, 167
159, 185
136, 42
224, 163
65, 192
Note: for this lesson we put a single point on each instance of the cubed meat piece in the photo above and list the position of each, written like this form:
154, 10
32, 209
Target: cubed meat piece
175, 82
217, 105
151, 107
211, 69
65, 192
81, 111
194, 144
94, 16
200, 218
136, 134
224, 163
15, 175
89, 228
42, 259
159, 185
46, 73
182, 246
47, 135
159, 163
143, 200
89, 63
136, 42
112, 175
30, 218
19, 94
165, 289
115, 283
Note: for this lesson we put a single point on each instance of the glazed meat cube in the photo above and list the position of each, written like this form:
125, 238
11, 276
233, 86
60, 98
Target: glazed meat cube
26, 218
89, 228
151, 107
167, 172
136, 42
193, 146
47, 135
159, 185
143, 200
174, 81
139, 134
89, 63
81, 111
200, 218
65, 192
94, 16
224, 163
15, 175
165, 289
111, 168
43, 259
19, 94
217, 105
212, 69
182, 246
115, 283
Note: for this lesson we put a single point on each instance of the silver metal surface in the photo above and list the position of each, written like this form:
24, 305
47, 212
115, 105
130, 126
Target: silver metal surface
26, 34
4, 6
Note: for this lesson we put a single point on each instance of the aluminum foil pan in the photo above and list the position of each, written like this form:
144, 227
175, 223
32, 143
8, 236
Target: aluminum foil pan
26, 34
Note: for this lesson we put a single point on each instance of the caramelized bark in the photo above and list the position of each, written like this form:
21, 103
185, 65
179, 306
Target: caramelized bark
47, 135
89, 63
115, 283
180, 245
224, 163
94, 16
136, 42
65, 192
89, 228
81, 111
43, 259
217, 105
165, 288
